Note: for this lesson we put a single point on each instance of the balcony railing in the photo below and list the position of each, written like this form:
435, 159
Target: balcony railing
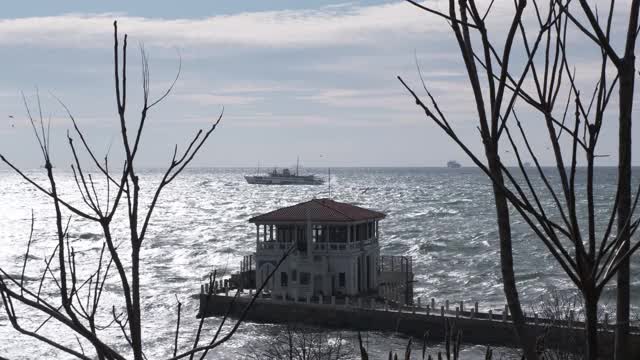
273, 245
319, 246
332, 246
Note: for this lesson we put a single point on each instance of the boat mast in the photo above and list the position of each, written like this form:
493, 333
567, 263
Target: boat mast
297, 165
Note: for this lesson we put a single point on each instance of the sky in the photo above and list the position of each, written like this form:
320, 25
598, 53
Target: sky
314, 79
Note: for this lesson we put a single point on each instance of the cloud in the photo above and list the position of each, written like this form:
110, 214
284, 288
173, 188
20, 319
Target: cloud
454, 97
328, 26
218, 99
281, 119
241, 93
341, 24
267, 119
263, 119
262, 87
360, 98
385, 63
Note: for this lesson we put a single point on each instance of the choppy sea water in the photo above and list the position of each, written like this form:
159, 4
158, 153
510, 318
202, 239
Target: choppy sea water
443, 218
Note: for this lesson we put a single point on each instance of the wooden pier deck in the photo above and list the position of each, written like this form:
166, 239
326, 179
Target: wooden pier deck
484, 328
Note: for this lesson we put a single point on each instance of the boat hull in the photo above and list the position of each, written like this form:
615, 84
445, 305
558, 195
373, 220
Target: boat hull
272, 180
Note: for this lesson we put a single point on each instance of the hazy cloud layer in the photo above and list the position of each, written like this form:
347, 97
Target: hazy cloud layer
289, 80
329, 26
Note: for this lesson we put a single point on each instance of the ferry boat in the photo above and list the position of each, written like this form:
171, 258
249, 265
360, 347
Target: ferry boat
285, 177
453, 164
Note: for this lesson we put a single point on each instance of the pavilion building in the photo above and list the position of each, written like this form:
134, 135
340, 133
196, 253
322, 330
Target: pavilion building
334, 250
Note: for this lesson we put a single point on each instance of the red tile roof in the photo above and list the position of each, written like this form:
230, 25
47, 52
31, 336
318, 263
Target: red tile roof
318, 210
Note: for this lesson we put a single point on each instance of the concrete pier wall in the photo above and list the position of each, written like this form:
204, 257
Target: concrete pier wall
476, 328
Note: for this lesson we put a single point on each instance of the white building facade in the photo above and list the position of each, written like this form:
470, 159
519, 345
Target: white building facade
334, 250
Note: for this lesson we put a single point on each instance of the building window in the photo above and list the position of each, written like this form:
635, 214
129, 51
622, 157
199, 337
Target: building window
283, 279
341, 280
302, 239
339, 234
305, 278
302, 244
284, 233
319, 233
294, 275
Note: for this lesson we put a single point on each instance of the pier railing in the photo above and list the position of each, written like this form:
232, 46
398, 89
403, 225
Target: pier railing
395, 263
421, 307
243, 279
367, 314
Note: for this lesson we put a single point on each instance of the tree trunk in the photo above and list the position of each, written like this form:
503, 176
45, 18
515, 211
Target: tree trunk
591, 323
527, 342
627, 73
136, 328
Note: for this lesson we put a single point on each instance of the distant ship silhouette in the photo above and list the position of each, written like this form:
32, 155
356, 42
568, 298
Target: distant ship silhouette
453, 164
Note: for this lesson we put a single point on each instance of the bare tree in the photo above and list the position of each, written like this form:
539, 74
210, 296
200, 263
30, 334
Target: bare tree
590, 257
452, 346
81, 310
297, 343
625, 69
558, 308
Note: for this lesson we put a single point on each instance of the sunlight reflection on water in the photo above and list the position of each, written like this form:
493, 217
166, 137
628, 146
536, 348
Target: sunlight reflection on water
443, 218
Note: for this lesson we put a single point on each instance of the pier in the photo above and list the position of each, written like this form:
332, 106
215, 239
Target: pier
477, 327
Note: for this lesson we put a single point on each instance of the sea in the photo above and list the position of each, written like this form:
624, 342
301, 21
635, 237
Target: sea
443, 218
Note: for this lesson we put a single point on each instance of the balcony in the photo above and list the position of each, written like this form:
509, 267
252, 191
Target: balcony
277, 246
